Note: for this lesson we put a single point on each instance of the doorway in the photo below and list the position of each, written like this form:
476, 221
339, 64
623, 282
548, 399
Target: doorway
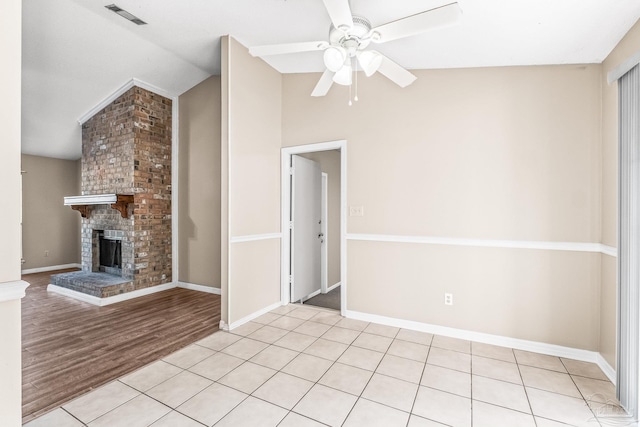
315, 219
327, 235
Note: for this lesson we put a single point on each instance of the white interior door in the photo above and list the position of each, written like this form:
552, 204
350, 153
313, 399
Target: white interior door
306, 235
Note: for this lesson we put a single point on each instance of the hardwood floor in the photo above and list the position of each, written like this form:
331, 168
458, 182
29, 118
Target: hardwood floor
70, 347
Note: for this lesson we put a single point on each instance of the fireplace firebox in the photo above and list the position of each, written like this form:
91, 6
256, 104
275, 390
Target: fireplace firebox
110, 251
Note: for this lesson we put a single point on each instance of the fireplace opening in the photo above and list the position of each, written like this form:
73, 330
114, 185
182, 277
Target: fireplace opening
110, 253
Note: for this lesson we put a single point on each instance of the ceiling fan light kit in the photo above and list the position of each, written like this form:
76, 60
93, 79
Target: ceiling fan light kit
370, 61
350, 36
334, 57
343, 75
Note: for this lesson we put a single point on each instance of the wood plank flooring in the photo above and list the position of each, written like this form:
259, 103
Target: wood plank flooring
70, 347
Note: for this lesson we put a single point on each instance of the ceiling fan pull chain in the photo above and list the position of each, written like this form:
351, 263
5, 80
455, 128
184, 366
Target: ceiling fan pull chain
350, 103
356, 73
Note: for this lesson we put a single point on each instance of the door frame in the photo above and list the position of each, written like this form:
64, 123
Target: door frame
285, 247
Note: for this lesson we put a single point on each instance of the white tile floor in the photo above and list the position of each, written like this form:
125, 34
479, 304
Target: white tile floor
303, 366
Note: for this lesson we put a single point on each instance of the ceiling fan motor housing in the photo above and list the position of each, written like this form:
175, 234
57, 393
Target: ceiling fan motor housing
355, 38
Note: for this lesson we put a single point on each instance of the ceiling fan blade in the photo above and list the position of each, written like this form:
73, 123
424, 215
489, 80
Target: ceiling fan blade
395, 72
340, 13
416, 24
279, 49
323, 86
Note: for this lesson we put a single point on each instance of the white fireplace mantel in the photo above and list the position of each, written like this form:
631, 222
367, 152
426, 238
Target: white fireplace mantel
93, 199
117, 201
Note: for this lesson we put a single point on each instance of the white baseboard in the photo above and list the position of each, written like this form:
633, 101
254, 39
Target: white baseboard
251, 316
518, 344
330, 288
101, 302
200, 288
50, 268
606, 368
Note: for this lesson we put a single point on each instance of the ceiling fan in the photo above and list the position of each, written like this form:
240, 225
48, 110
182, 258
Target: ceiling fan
350, 36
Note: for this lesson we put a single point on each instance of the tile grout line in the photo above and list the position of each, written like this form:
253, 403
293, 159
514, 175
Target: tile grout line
176, 408
277, 371
373, 373
299, 353
415, 398
71, 415
113, 409
595, 417
526, 393
215, 381
244, 361
317, 382
142, 393
360, 332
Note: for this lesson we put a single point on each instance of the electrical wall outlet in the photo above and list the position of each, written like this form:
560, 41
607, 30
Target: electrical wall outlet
46, 253
448, 299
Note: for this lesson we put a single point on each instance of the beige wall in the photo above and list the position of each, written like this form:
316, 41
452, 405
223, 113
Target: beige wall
48, 225
10, 360
629, 45
330, 164
251, 130
199, 185
255, 277
544, 296
493, 153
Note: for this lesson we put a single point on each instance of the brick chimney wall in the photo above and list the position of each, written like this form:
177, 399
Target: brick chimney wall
126, 149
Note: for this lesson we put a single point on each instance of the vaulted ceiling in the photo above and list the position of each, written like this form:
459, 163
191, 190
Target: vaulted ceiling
77, 52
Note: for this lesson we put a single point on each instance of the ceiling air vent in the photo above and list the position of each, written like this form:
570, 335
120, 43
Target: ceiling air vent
125, 14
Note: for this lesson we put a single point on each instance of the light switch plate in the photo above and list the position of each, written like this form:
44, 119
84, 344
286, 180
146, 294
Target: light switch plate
356, 211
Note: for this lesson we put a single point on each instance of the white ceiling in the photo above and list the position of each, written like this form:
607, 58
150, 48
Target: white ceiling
76, 52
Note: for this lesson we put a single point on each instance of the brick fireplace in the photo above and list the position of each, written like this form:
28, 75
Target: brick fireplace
126, 151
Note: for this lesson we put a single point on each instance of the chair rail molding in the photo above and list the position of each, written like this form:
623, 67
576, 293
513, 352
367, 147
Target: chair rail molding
488, 243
